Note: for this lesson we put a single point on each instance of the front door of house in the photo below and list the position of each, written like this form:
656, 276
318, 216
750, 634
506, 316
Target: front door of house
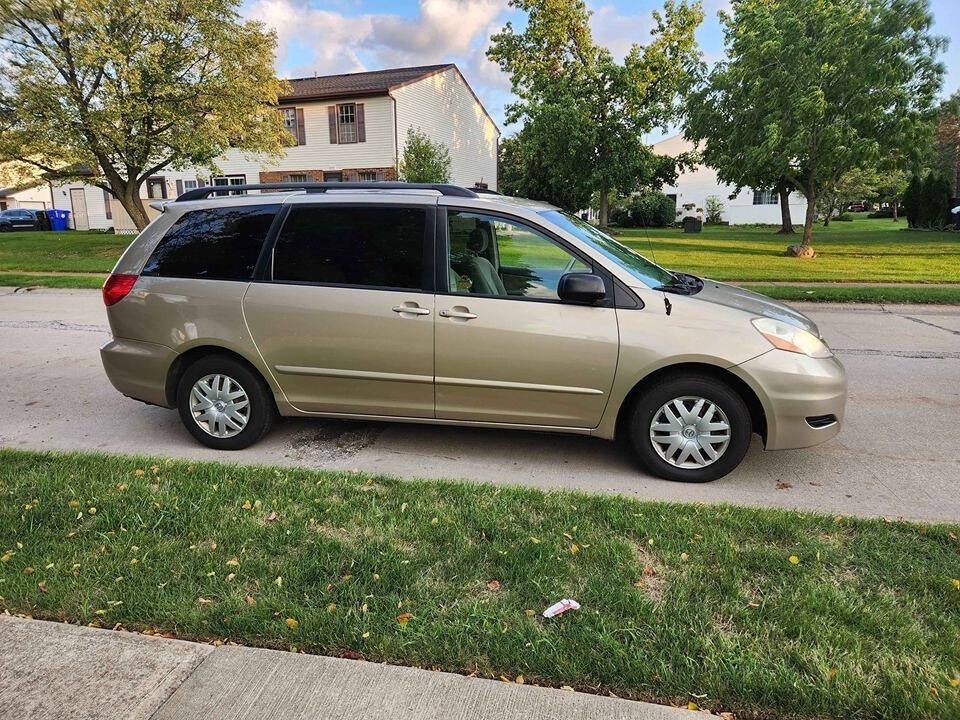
78, 203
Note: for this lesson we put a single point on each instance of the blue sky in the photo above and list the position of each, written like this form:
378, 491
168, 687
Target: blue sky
337, 36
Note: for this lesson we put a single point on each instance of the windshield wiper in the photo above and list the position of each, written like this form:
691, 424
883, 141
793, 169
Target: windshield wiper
682, 284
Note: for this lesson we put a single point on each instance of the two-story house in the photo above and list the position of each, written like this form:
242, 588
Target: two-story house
345, 128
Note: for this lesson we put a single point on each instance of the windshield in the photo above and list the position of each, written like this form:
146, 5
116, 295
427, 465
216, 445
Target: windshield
634, 263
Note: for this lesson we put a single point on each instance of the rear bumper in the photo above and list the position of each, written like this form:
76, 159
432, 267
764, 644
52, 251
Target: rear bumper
138, 369
799, 394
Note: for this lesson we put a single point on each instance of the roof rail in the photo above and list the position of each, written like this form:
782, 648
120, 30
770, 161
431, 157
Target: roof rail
319, 187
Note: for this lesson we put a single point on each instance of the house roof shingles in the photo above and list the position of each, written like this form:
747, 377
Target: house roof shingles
377, 82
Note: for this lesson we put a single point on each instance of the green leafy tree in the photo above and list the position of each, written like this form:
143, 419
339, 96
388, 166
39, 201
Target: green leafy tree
856, 184
121, 89
714, 207
424, 161
583, 113
945, 155
891, 185
934, 200
811, 90
911, 201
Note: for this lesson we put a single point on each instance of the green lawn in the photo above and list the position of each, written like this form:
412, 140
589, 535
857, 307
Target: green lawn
52, 281
769, 614
874, 294
72, 252
863, 250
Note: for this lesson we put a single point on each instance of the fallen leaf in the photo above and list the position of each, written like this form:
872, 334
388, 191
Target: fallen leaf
833, 672
403, 618
204, 601
530, 613
519, 680
233, 562
28, 570
692, 706
42, 586
250, 600
366, 634
331, 607
74, 504
278, 582
956, 583
403, 508
5, 558
784, 486
230, 577
574, 548
534, 540
435, 521
138, 472
493, 585
92, 510
567, 688
363, 608
121, 487
291, 623
272, 516
684, 557
794, 559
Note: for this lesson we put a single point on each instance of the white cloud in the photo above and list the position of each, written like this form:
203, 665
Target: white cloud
617, 31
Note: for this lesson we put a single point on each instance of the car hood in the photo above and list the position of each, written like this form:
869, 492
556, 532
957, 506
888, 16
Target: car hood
753, 303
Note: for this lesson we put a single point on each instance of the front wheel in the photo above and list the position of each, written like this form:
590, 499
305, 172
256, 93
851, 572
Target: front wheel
691, 429
224, 404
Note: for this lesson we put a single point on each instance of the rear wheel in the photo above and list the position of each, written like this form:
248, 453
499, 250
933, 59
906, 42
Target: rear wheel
691, 429
224, 404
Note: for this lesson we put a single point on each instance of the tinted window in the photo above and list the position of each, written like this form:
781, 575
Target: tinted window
215, 244
367, 246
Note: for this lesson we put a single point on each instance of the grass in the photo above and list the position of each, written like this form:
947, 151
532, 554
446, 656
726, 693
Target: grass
680, 603
51, 281
70, 252
863, 250
873, 294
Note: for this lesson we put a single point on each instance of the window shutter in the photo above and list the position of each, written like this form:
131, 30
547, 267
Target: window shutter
332, 115
361, 125
179, 188
301, 128
108, 211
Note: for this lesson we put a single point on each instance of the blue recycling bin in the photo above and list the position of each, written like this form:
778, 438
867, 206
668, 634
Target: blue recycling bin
59, 219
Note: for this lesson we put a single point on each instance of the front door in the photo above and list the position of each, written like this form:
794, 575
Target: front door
78, 201
508, 350
345, 322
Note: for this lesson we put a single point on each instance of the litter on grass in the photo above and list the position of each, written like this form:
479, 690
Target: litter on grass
561, 607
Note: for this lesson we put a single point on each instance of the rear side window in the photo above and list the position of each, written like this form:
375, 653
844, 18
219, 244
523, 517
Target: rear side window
213, 244
363, 246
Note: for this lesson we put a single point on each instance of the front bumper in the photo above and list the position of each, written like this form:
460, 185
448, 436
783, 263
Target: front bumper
138, 369
798, 393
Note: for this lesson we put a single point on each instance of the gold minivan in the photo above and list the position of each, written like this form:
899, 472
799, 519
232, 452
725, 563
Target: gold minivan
440, 304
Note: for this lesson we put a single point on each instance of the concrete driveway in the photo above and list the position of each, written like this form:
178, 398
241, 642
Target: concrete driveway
898, 455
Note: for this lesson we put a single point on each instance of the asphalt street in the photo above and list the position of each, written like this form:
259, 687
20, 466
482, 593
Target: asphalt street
897, 456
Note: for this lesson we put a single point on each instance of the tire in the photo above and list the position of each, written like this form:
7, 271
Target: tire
234, 376
672, 461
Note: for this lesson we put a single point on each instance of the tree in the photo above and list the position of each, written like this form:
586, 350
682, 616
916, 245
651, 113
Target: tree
424, 161
855, 184
583, 113
911, 201
934, 200
809, 91
109, 92
891, 185
946, 142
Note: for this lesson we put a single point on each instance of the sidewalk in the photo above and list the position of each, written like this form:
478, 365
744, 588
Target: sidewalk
50, 671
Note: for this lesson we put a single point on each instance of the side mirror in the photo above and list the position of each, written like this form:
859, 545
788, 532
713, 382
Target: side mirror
581, 288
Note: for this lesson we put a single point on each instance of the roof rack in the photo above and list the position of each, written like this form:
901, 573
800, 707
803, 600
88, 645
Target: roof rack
319, 187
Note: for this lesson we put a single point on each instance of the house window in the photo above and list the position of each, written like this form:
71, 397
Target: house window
289, 116
347, 123
189, 185
230, 180
367, 175
765, 197
296, 178
107, 209
156, 188
335, 176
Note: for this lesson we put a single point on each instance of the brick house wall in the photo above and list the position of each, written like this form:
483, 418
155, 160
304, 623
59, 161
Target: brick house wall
347, 174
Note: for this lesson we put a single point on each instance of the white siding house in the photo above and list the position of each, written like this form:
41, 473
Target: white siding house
693, 187
35, 197
345, 128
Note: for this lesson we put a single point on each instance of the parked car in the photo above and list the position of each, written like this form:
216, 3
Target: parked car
20, 219
857, 206
437, 304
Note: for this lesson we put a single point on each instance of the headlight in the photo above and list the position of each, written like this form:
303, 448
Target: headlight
785, 336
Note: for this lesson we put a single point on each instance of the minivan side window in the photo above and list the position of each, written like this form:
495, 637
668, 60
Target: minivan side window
495, 256
374, 247
213, 243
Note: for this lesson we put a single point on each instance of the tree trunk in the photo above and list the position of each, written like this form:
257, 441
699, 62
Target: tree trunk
803, 249
786, 222
826, 219
128, 193
604, 207
895, 205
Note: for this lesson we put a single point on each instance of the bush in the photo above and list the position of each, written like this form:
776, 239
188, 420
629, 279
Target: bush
650, 209
715, 209
883, 213
911, 201
842, 217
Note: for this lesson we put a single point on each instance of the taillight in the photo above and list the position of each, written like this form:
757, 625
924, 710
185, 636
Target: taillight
117, 287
